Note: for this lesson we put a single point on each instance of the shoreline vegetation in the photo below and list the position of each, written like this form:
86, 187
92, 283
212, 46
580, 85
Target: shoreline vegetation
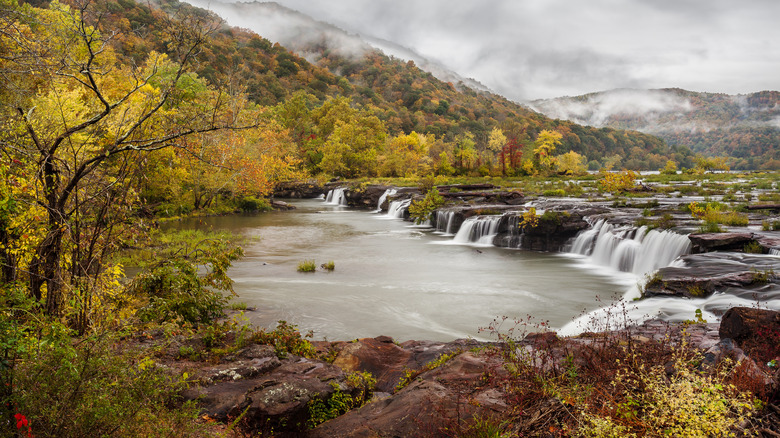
118, 115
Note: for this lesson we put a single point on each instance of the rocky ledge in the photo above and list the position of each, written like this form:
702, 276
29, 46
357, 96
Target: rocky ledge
700, 275
426, 388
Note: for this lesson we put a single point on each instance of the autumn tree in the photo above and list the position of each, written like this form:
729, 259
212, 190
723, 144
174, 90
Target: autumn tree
85, 121
406, 155
570, 163
544, 146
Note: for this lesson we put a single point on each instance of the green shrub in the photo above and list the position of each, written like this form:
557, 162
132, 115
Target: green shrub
68, 386
307, 266
251, 204
753, 247
554, 193
174, 290
286, 339
329, 266
421, 211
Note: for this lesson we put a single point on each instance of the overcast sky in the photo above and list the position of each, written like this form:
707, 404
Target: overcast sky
531, 49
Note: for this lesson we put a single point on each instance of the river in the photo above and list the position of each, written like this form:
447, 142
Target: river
394, 279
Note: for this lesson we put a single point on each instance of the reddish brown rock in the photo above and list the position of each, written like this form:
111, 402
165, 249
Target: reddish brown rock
382, 358
435, 400
743, 323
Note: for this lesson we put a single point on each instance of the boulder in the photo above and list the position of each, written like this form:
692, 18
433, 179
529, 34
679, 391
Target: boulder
379, 356
274, 398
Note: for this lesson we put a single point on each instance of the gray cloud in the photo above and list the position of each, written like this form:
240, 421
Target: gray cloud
530, 49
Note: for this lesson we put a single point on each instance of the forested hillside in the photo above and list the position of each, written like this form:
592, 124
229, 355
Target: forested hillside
743, 127
403, 98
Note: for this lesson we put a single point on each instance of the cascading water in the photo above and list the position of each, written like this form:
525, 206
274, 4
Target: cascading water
383, 198
480, 229
633, 250
774, 251
337, 196
445, 222
397, 209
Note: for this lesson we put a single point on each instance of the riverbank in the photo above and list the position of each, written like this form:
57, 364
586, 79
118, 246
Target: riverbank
528, 383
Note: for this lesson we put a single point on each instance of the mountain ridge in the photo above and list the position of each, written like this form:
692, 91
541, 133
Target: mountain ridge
743, 126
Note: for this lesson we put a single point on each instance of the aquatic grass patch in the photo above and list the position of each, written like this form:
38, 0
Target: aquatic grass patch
329, 265
307, 266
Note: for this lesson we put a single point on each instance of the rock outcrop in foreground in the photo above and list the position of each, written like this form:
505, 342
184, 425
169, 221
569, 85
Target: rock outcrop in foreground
444, 386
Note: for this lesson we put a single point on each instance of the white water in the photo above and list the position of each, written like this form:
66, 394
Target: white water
480, 230
633, 250
383, 198
396, 209
444, 222
337, 197
638, 252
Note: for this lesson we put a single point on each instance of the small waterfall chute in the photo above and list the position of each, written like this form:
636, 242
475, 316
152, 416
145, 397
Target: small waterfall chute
445, 222
383, 198
337, 196
479, 229
633, 250
398, 208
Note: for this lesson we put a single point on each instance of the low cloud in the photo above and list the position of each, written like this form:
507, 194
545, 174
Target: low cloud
597, 109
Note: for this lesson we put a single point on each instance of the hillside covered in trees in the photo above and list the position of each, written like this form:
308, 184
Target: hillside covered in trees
743, 127
402, 97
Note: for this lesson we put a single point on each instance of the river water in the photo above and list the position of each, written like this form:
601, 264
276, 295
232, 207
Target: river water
394, 279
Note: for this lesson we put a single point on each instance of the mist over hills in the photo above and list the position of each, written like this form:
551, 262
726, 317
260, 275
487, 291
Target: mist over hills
745, 126
311, 38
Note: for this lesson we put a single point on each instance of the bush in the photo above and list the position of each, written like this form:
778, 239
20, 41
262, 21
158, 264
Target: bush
174, 290
554, 193
250, 204
67, 386
421, 211
329, 266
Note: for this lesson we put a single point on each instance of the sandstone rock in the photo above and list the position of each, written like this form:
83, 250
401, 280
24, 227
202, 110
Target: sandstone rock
384, 360
437, 399
702, 274
708, 242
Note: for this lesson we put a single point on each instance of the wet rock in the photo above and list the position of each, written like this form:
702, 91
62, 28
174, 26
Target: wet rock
708, 242
280, 205
700, 275
553, 231
365, 197
299, 189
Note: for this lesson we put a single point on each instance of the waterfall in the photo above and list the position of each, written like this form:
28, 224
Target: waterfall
480, 229
383, 198
337, 197
444, 221
774, 251
634, 250
397, 209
